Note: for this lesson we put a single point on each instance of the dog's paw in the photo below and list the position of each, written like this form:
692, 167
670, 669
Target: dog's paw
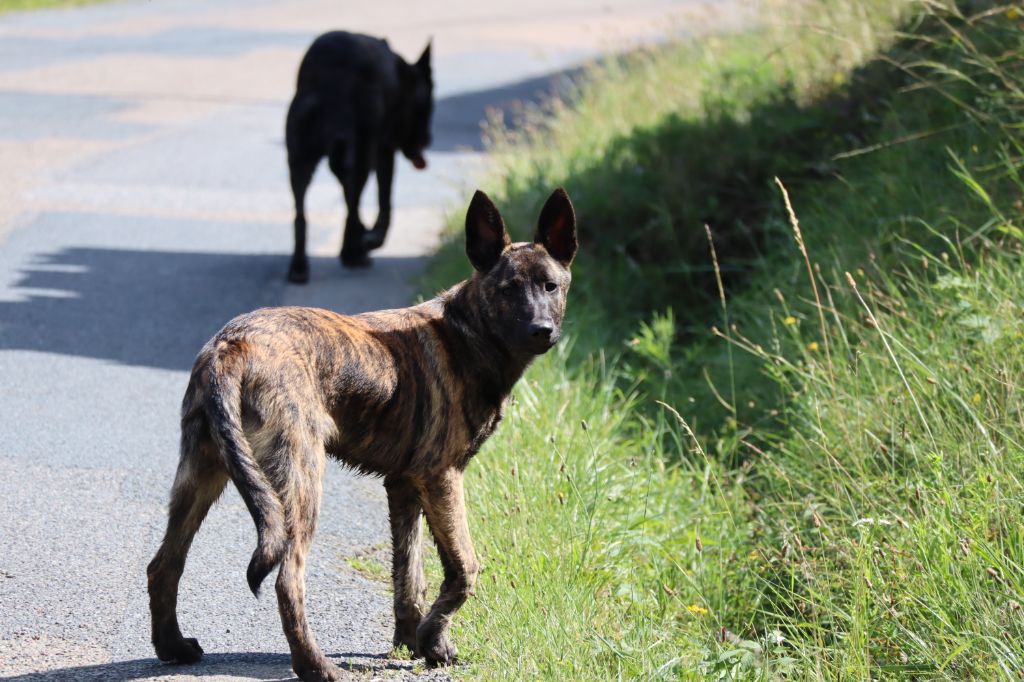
405, 634
357, 259
320, 670
298, 271
182, 650
374, 239
436, 648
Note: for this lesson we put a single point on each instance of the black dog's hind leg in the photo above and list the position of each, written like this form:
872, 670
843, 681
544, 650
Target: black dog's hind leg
374, 239
301, 170
352, 172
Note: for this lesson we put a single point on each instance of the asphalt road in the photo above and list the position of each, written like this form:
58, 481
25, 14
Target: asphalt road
144, 202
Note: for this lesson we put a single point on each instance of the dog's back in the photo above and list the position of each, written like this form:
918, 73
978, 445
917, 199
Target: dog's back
338, 54
346, 82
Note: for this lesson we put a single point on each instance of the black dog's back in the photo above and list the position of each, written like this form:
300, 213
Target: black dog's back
357, 103
344, 80
341, 77
340, 52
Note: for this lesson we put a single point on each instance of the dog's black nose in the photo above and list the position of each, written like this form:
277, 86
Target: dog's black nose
541, 330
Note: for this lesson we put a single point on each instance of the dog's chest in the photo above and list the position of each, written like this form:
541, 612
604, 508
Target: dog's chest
485, 427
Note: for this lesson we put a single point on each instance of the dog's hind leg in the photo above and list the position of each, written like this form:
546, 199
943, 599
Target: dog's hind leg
300, 486
385, 170
351, 165
199, 482
445, 508
301, 169
405, 512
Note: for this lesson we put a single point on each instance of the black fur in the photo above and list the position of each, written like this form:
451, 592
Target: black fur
356, 103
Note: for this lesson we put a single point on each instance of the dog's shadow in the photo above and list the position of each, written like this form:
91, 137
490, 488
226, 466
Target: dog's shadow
256, 666
157, 308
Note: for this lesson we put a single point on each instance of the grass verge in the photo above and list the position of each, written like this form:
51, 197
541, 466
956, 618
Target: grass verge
801, 459
24, 5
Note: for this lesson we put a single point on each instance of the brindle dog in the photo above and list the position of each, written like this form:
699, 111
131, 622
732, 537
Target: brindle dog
408, 394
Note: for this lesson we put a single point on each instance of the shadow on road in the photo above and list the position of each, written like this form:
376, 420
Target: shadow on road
150, 308
458, 118
257, 666
156, 308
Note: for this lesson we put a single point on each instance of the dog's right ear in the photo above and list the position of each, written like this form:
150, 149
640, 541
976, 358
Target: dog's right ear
486, 237
423, 63
410, 74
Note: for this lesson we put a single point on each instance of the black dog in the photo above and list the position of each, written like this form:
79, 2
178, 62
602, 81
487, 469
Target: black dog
356, 103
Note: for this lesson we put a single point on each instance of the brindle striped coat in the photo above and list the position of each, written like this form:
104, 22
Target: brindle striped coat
408, 394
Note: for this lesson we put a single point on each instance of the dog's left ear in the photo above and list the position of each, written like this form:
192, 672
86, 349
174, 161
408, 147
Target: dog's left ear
556, 229
423, 63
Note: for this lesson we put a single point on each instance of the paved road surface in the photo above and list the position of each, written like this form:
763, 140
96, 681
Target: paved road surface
144, 202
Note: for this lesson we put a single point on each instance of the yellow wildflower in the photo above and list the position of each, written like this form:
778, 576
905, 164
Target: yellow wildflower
812, 346
697, 610
976, 398
790, 320
1012, 13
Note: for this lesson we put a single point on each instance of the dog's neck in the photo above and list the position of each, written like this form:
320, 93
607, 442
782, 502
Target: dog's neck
497, 367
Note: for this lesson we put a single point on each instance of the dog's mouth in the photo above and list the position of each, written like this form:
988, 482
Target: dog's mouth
540, 347
418, 162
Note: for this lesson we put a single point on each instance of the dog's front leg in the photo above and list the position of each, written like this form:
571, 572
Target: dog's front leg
445, 508
374, 239
407, 558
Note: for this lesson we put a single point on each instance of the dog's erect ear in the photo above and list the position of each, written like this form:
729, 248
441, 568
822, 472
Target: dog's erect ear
410, 74
486, 237
556, 229
423, 63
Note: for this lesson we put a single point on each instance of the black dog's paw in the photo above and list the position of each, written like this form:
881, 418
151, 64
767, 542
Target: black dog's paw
374, 239
357, 259
298, 271
298, 276
183, 650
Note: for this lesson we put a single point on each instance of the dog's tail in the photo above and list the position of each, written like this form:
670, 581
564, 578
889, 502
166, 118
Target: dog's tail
224, 408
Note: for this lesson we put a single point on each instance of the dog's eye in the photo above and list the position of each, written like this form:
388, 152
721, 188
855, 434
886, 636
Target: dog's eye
508, 290
550, 286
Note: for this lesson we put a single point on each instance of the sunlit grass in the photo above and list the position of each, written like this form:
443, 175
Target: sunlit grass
798, 463
23, 5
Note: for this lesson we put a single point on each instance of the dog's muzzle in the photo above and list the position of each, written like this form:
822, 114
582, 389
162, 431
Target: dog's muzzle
542, 336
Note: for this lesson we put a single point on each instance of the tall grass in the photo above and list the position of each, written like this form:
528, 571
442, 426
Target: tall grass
801, 458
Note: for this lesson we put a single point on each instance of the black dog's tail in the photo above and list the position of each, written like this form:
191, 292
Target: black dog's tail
224, 408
